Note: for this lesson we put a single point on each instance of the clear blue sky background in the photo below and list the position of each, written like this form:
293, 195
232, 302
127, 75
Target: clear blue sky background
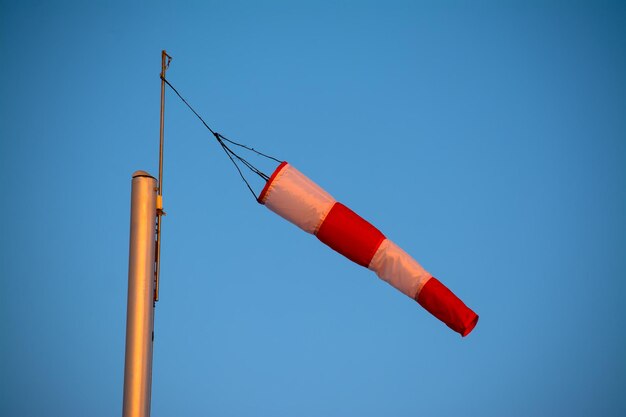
489, 140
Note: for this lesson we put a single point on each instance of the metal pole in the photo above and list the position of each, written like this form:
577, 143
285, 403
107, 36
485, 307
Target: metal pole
140, 308
165, 63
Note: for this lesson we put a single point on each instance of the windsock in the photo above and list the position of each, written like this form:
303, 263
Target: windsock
296, 198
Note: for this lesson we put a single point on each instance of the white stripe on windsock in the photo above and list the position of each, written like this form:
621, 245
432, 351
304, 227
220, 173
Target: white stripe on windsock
293, 196
399, 269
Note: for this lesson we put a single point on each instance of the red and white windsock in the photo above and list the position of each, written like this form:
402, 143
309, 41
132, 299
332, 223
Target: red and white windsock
293, 196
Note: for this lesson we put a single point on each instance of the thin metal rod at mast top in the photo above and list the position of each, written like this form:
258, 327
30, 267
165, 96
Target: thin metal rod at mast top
165, 63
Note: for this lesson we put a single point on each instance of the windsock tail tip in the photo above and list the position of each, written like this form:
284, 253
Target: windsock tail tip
439, 301
470, 325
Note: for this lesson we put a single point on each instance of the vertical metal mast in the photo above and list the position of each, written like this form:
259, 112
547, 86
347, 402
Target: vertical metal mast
140, 307
143, 278
165, 63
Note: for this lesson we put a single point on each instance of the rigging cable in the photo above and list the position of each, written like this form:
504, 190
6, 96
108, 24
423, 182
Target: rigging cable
232, 155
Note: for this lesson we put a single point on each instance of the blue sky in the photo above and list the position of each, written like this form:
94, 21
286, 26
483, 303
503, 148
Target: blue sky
488, 140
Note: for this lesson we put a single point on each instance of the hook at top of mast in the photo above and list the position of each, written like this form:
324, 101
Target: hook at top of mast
165, 62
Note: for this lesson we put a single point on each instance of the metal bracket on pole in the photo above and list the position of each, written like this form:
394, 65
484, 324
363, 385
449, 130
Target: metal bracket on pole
165, 63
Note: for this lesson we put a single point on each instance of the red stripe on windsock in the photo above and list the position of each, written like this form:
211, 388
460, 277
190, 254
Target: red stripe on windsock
447, 307
350, 235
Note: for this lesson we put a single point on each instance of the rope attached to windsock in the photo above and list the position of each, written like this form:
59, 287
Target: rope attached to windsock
293, 196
